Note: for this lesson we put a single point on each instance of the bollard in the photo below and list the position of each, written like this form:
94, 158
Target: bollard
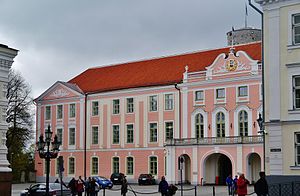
196, 190
104, 192
214, 193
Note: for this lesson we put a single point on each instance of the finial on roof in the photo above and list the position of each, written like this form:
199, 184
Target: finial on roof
232, 50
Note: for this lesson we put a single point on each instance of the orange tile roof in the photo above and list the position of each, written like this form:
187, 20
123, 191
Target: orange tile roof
153, 72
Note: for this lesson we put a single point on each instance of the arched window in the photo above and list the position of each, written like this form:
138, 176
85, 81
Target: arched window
153, 165
129, 170
243, 123
199, 126
71, 165
220, 124
116, 165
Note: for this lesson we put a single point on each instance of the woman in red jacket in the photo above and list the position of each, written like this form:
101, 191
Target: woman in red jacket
242, 185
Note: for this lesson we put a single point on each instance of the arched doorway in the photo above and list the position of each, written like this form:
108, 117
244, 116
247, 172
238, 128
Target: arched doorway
186, 170
254, 167
217, 167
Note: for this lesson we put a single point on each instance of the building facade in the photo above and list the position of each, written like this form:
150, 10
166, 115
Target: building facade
282, 76
139, 117
6, 60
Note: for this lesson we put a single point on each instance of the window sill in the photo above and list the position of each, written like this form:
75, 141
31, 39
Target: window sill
292, 47
294, 111
295, 167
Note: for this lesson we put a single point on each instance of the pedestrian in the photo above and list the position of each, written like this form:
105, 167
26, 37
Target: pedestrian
261, 186
88, 186
229, 183
163, 187
80, 186
72, 186
124, 186
242, 185
235, 184
94, 189
56, 181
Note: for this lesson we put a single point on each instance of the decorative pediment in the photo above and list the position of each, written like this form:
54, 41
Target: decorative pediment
60, 90
232, 63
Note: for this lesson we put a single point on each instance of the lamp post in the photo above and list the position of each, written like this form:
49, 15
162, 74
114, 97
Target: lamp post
260, 122
48, 154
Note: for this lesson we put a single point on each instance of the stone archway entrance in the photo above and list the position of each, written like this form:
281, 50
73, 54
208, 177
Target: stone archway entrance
186, 170
253, 167
217, 167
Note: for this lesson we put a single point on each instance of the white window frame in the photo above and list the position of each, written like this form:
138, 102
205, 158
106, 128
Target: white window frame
130, 174
129, 105
217, 97
204, 114
201, 97
71, 174
149, 166
152, 106
290, 44
57, 112
95, 108
93, 136
293, 28
69, 138
112, 165
150, 132
239, 92
297, 144
115, 143
92, 165
48, 115
165, 128
62, 135
132, 133
72, 111
169, 101
116, 106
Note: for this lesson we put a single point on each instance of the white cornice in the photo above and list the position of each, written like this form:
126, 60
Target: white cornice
276, 4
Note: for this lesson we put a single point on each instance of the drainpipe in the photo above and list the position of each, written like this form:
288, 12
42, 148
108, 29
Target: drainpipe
85, 117
263, 78
176, 86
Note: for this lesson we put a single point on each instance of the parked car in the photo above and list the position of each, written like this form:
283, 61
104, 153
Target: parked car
116, 178
39, 189
103, 182
146, 179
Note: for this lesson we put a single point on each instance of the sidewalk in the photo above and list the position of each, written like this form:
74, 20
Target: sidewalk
201, 190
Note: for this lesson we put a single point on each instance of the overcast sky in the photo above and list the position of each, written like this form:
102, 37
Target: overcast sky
59, 39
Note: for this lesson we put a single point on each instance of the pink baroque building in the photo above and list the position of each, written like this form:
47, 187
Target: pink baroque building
140, 117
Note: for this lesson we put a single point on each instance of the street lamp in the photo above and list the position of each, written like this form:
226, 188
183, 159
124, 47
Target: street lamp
48, 154
260, 122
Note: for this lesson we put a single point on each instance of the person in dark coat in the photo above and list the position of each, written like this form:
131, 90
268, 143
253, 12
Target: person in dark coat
124, 186
163, 186
261, 186
72, 186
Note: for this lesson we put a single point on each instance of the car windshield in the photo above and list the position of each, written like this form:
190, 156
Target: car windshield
144, 175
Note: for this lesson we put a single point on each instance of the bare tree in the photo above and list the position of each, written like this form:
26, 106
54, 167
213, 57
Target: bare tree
19, 112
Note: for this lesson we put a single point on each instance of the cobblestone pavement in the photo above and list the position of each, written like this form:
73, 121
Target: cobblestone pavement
201, 190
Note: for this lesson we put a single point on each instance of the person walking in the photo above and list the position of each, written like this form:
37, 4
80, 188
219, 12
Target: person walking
124, 186
163, 187
80, 186
242, 185
235, 184
229, 183
88, 186
261, 187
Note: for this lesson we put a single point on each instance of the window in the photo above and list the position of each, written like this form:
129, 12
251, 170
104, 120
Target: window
153, 103
153, 132
59, 133
130, 105
95, 135
116, 106
59, 111
297, 148
199, 126
243, 123
220, 93
153, 165
57, 166
296, 28
72, 136
48, 113
129, 170
129, 133
116, 134
169, 100
199, 95
243, 91
115, 165
94, 166
95, 108
71, 165
169, 130
296, 91
72, 110
220, 123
